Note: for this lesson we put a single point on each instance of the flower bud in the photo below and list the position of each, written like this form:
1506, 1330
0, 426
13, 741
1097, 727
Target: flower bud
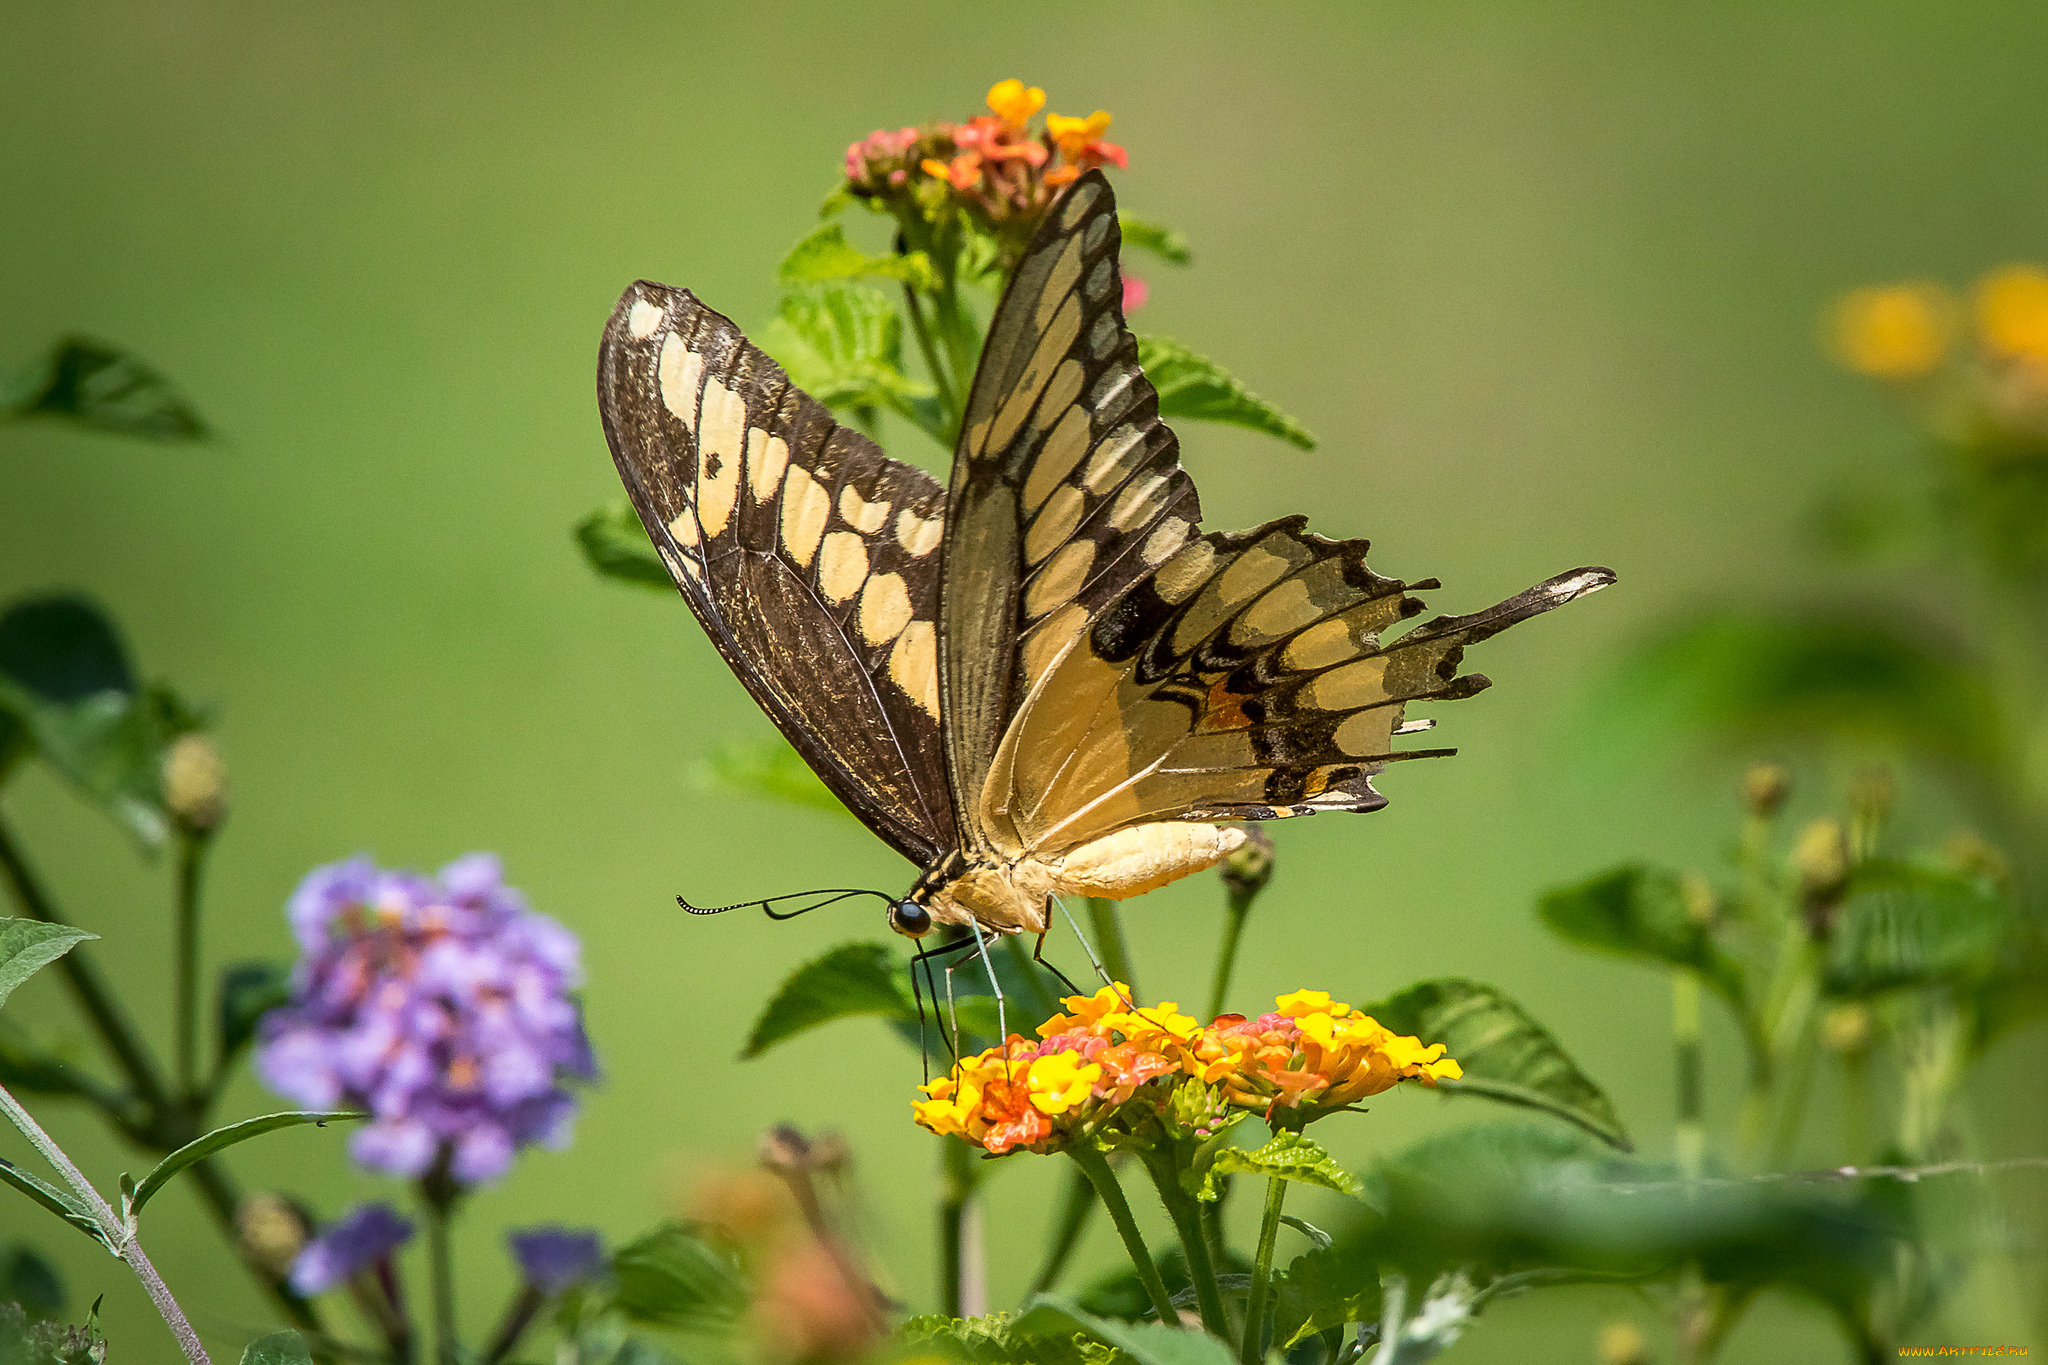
1250, 866
1764, 789
1847, 1028
1621, 1343
195, 782
272, 1231
1701, 906
1821, 857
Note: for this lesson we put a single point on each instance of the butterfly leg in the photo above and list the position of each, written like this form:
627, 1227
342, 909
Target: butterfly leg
930, 984
1089, 949
988, 964
1038, 956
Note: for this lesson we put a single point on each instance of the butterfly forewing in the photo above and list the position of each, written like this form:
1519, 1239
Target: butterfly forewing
810, 557
1067, 488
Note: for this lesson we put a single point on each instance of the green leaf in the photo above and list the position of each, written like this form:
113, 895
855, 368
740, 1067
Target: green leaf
1642, 912
26, 1278
66, 1206
852, 979
1289, 1156
766, 767
826, 257
279, 1348
616, 545
1200, 390
1168, 244
843, 345
1147, 1343
1767, 675
674, 1278
66, 682
248, 991
993, 1340
220, 1139
1321, 1289
106, 389
28, 945
1505, 1054
1903, 926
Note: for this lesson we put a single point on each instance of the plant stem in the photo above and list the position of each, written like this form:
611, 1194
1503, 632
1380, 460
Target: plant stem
957, 1179
1239, 909
948, 403
1689, 1137
191, 858
1096, 1169
1393, 1312
439, 1194
1193, 1245
119, 1239
1109, 940
1252, 1350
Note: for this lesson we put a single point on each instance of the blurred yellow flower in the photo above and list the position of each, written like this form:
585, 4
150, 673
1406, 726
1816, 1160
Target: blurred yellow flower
1898, 331
2012, 313
1074, 134
1014, 103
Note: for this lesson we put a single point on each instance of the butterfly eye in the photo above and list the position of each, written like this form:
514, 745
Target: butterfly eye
910, 919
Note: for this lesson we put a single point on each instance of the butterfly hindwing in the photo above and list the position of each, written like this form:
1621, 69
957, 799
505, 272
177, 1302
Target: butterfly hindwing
809, 557
1067, 488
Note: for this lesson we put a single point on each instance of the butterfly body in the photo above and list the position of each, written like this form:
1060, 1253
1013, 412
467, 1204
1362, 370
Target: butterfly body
1044, 679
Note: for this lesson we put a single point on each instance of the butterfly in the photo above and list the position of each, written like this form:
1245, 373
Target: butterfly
1043, 679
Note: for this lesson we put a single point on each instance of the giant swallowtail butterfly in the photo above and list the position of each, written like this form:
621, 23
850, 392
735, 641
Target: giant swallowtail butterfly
1045, 678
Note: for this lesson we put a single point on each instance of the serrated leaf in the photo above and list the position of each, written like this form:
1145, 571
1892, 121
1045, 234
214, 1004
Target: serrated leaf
220, 1139
826, 257
674, 1278
279, 1348
65, 680
248, 991
1321, 1289
852, 979
28, 945
1903, 926
1147, 1343
1194, 388
992, 1340
1289, 1156
66, 1206
616, 545
843, 345
106, 389
766, 767
1168, 244
1641, 911
1505, 1054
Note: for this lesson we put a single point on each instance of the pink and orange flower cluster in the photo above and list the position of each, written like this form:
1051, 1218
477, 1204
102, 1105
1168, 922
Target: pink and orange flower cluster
994, 163
1107, 1058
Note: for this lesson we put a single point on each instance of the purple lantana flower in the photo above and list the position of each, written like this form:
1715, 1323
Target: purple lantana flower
348, 1245
555, 1258
442, 1006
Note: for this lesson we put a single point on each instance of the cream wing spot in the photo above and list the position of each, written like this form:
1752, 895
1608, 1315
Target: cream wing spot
1139, 503
805, 507
1165, 539
1060, 393
860, 514
1054, 523
1272, 616
721, 441
684, 529
1079, 201
1060, 579
884, 608
1367, 732
1183, 575
1061, 279
914, 665
842, 565
1099, 278
641, 319
767, 458
1353, 685
1322, 644
1119, 450
918, 536
1057, 457
678, 372
1253, 572
1049, 639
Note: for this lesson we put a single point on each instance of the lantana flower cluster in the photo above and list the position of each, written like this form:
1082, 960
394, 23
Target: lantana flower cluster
1107, 1059
996, 164
1983, 360
444, 1006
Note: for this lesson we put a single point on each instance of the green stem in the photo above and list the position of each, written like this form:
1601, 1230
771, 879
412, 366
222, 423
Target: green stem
191, 859
1252, 1350
1239, 910
949, 404
957, 1180
1689, 1138
1109, 941
1180, 1207
1393, 1317
439, 1194
1098, 1174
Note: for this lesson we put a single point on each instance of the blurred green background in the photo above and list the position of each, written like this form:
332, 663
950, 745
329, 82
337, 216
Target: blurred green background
1544, 278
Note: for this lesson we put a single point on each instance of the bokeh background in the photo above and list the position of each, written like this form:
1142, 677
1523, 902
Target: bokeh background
1544, 278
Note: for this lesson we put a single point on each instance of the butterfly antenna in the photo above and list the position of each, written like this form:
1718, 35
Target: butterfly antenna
832, 896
